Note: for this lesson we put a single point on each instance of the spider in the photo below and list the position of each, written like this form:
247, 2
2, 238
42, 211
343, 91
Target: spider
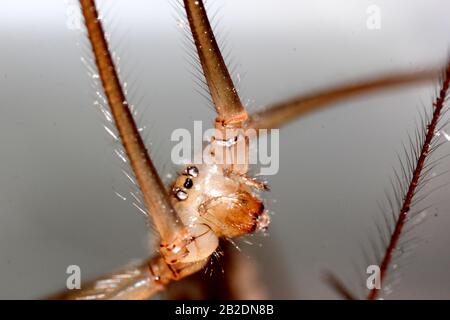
396, 78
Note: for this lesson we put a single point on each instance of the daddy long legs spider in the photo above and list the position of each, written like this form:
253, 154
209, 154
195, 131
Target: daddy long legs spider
296, 52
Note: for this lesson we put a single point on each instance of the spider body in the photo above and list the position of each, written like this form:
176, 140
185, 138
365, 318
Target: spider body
217, 200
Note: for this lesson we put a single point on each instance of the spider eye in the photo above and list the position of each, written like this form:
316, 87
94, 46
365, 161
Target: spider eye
180, 194
188, 183
192, 171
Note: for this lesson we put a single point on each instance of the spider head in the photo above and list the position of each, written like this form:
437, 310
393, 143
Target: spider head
213, 205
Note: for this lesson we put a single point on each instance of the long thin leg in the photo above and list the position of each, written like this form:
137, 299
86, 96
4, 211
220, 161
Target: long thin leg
223, 92
134, 282
339, 287
281, 113
155, 195
416, 177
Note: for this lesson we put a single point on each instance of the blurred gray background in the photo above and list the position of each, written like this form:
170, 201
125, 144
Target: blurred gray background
59, 175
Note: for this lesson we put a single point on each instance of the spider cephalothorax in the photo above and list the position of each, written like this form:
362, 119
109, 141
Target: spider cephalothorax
217, 200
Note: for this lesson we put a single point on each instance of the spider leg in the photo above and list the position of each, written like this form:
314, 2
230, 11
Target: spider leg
224, 95
247, 180
155, 195
281, 113
133, 282
130, 282
338, 286
150, 277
